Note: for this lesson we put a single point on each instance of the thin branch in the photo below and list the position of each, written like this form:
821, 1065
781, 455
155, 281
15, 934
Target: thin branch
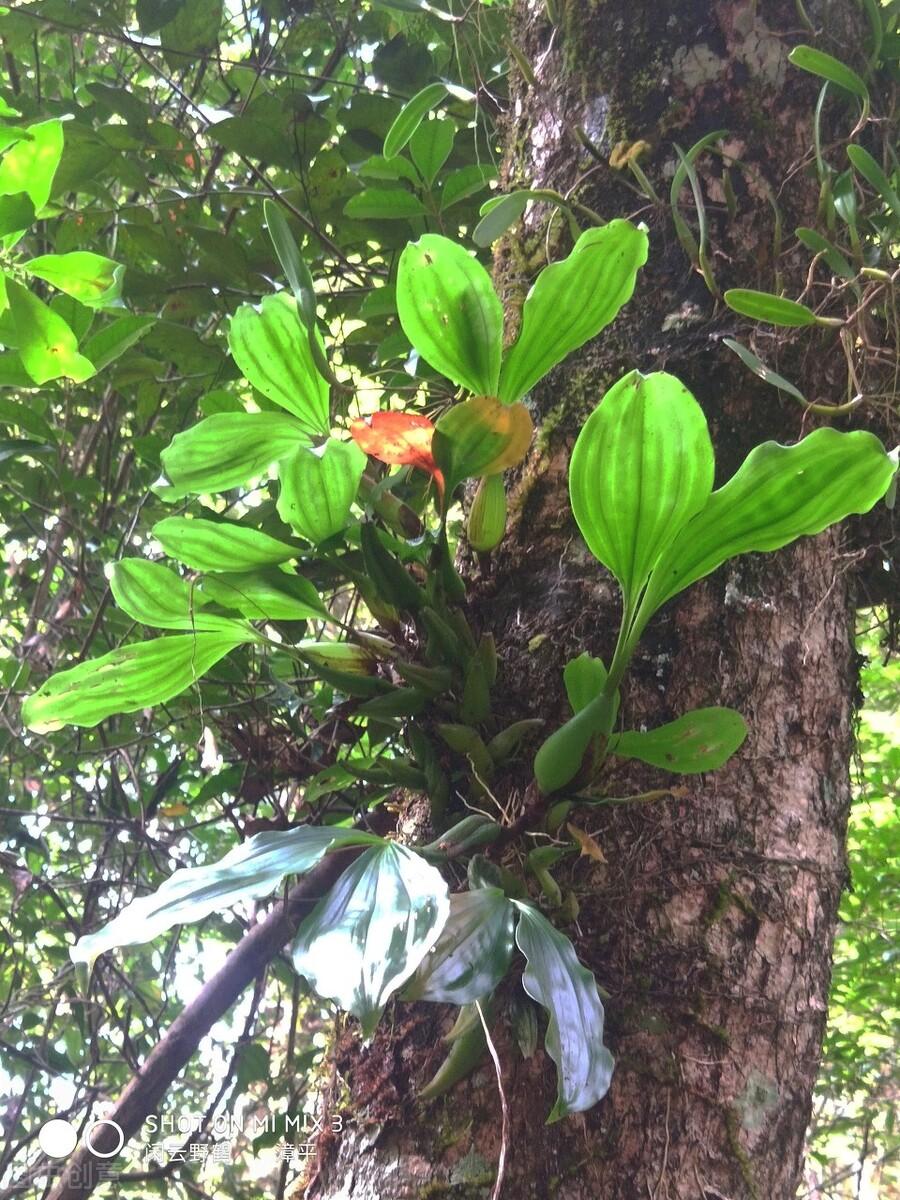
141, 1097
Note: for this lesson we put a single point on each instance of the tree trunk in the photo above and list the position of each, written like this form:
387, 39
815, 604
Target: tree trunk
710, 924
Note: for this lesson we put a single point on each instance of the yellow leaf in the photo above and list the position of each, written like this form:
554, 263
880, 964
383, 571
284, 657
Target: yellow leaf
589, 847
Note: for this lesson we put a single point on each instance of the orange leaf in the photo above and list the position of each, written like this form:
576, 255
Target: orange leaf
398, 439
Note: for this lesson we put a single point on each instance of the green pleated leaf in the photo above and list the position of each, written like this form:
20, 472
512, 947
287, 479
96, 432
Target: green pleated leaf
779, 493
266, 594
219, 546
126, 680
763, 306
826, 66
410, 117
365, 939
318, 487
227, 449
642, 466
30, 165
568, 991
473, 952
92, 279
702, 740
152, 594
271, 346
47, 346
571, 301
450, 312
248, 872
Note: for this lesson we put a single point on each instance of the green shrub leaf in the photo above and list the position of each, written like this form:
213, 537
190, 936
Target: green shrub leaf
47, 346
430, 147
410, 117
108, 344
384, 204
450, 312
16, 213
460, 185
571, 301
30, 165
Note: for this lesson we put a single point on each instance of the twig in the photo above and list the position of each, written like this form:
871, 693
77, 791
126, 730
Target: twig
504, 1127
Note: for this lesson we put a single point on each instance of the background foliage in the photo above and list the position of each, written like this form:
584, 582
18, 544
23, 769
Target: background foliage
854, 1140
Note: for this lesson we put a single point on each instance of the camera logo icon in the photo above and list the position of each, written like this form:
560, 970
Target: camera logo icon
58, 1138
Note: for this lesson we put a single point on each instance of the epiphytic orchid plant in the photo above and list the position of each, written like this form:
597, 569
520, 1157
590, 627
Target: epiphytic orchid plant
410, 670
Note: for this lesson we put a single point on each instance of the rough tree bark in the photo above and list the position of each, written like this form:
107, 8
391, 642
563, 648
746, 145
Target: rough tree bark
711, 923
